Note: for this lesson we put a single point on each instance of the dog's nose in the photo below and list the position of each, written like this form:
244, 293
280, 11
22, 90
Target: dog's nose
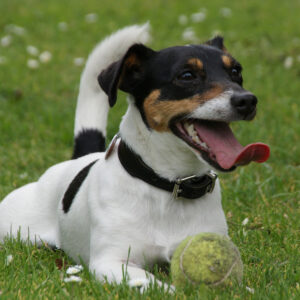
244, 103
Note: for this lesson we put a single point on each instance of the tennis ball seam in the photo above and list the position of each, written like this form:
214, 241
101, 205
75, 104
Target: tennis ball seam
181, 261
226, 275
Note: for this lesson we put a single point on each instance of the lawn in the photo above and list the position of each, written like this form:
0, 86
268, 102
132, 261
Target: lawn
37, 103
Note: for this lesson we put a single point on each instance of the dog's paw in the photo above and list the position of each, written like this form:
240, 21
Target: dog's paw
139, 282
144, 283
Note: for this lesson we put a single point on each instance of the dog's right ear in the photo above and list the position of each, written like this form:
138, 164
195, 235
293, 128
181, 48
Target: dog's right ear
125, 74
217, 42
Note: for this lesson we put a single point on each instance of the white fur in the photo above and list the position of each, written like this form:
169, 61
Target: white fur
93, 115
216, 109
114, 217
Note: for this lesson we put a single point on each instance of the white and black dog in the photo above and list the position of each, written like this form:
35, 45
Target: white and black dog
154, 186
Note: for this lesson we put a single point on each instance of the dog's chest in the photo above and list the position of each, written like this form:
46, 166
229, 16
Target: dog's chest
148, 220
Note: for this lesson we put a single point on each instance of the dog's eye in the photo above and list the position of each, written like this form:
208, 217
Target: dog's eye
186, 76
234, 72
236, 75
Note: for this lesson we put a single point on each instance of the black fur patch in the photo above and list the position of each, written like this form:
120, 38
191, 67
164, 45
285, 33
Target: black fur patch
75, 186
88, 141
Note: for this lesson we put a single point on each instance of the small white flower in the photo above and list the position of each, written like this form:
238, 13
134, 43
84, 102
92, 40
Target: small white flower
78, 61
189, 35
91, 18
45, 57
296, 40
250, 290
6, 41
226, 12
216, 32
245, 222
32, 64
73, 279
182, 19
32, 50
17, 30
8, 259
198, 17
288, 62
23, 175
3, 60
62, 26
74, 269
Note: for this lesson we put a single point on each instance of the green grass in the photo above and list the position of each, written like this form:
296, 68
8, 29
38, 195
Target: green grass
36, 125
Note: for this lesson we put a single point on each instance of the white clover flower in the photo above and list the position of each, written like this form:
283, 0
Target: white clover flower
226, 12
250, 290
62, 26
73, 279
182, 19
8, 259
6, 41
79, 61
3, 60
45, 57
198, 17
216, 32
74, 269
32, 50
288, 62
189, 35
91, 18
23, 175
32, 64
245, 221
17, 30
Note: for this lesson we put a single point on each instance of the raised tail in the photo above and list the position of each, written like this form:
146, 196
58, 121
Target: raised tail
92, 104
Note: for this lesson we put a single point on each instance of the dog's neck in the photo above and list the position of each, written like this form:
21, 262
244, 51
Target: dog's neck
163, 152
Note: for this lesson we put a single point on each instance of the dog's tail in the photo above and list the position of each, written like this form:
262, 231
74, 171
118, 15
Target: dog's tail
92, 104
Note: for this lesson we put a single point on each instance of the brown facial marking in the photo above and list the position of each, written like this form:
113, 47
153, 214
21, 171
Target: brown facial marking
227, 61
131, 60
159, 112
196, 62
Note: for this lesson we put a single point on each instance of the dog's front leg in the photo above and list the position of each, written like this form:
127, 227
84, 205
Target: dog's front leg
116, 271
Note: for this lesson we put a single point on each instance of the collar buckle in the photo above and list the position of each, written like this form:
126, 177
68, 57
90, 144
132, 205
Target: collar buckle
209, 189
178, 182
213, 176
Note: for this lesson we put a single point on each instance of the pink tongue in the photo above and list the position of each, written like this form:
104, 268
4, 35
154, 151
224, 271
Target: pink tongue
224, 147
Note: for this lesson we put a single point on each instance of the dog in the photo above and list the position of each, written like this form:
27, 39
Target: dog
127, 208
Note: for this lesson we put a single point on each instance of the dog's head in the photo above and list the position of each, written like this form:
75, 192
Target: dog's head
193, 92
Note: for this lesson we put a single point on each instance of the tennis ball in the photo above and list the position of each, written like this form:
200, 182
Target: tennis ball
207, 258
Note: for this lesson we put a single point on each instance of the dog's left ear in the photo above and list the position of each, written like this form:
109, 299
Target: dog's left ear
125, 74
217, 42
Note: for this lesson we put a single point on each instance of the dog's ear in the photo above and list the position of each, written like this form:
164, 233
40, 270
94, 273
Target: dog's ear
126, 73
217, 42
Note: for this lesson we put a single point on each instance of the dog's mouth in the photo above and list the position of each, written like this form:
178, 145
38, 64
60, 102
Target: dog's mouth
217, 144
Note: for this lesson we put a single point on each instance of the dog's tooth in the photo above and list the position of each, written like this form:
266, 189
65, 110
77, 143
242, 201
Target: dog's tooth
203, 144
186, 125
193, 134
196, 139
190, 129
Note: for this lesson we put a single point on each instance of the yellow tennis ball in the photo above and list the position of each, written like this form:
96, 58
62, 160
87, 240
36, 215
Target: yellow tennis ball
206, 258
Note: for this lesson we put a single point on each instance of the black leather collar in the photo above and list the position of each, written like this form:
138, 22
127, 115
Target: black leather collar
191, 187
